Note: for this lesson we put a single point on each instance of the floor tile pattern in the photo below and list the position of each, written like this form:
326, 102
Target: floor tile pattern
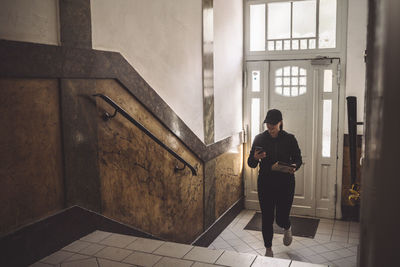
335, 244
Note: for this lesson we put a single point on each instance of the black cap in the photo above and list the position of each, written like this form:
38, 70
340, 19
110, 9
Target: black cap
273, 116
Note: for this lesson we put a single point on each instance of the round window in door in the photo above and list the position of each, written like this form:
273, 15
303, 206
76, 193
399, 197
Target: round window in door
291, 81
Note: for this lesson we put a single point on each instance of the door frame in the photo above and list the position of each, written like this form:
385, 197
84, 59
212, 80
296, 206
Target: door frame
340, 53
340, 129
252, 202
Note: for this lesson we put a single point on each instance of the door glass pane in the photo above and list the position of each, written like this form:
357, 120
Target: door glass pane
286, 91
278, 45
303, 44
295, 71
257, 27
279, 20
311, 44
271, 45
255, 81
286, 81
286, 45
255, 117
304, 19
295, 91
328, 81
326, 128
286, 71
327, 24
295, 44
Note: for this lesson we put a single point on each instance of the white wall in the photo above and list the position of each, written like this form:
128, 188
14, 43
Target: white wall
34, 21
162, 40
356, 45
228, 62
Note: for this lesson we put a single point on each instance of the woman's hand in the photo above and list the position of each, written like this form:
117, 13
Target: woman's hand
259, 154
292, 171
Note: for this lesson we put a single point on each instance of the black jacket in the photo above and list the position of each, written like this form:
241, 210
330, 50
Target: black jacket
282, 148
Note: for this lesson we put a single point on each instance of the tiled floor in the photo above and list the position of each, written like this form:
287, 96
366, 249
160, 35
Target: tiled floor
335, 243
102, 249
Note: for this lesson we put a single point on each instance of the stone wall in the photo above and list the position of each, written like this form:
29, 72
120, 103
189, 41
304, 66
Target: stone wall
138, 183
57, 151
30, 151
228, 180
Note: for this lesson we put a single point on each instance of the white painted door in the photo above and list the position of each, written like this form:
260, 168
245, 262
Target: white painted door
307, 94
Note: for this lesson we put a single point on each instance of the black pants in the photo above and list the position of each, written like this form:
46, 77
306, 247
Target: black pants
275, 194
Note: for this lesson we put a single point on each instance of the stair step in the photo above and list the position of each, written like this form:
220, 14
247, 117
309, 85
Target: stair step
110, 249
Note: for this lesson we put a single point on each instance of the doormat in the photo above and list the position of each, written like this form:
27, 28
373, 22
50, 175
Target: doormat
304, 227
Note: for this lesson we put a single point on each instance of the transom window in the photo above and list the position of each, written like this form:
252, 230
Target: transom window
293, 25
291, 81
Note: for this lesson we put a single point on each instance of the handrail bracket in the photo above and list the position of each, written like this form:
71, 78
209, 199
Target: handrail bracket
106, 116
176, 169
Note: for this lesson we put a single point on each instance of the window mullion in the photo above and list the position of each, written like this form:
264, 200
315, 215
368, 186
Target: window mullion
317, 25
291, 21
266, 26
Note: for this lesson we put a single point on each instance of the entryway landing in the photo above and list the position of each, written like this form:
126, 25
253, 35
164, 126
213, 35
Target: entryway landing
335, 243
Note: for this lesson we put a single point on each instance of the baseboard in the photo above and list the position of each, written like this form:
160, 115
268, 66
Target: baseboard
206, 238
33, 242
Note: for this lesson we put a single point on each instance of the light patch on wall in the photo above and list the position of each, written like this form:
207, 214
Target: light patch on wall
162, 40
34, 21
234, 150
356, 45
228, 62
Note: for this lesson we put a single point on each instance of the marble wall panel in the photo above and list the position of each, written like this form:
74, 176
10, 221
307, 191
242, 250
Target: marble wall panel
138, 184
30, 151
79, 118
228, 179
208, 71
75, 23
209, 193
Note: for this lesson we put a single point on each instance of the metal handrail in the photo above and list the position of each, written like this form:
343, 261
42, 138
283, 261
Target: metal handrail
118, 109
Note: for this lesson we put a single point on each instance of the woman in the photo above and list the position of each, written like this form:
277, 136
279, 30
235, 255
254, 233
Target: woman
275, 188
